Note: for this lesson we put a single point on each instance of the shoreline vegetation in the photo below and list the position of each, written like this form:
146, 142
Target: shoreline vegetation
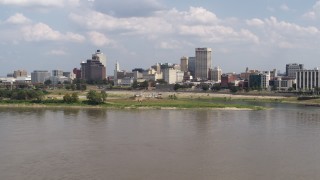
132, 106
150, 100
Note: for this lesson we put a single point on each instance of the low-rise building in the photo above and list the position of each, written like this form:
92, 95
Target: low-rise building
20, 73
170, 75
308, 79
283, 84
39, 76
228, 79
259, 80
216, 74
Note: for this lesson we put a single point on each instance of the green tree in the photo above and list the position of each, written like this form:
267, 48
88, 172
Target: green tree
216, 87
234, 89
73, 87
144, 84
135, 84
152, 83
48, 82
73, 98
94, 98
67, 98
205, 87
176, 87
37, 94
83, 87
67, 86
161, 81
290, 89
104, 95
78, 86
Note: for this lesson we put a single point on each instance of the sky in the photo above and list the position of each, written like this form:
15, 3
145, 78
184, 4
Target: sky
59, 34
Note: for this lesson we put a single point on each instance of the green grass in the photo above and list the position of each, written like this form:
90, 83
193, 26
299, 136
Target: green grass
180, 104
131, 104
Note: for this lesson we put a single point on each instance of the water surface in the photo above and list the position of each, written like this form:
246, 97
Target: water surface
279, 144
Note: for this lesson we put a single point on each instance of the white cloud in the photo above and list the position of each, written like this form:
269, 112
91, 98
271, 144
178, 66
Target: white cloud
255, 22
161, 21
100, 21
43, 32
284, 7
197, 22
99, 39
74, 37
283, 34
310, 15
194, 15
219, 34
42, 3
271, 9
40, 32
287, 45
57, 52
171, 44
18, 18
127, 8
291, 28
314, 13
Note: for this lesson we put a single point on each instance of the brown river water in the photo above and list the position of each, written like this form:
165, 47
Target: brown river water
73, 144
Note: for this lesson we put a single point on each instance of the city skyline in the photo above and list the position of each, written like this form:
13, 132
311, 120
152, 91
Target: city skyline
61, 34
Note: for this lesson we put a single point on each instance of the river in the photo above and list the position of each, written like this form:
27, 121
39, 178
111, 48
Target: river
71, 144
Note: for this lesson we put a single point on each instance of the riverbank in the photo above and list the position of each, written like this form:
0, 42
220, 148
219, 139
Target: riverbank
134, 104
118, 99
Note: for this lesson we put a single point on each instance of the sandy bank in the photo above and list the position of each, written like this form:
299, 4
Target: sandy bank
190, 94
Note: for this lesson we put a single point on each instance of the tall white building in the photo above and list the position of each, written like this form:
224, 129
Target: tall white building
266, 78
170, 75
308, 79
101, 57
116, 70
203, 63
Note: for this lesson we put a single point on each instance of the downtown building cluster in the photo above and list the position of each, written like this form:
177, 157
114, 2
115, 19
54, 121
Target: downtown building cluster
195, 69
199, 69
93, 69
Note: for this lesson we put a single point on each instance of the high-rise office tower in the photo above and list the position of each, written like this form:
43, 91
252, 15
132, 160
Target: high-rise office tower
192, 65
101, 57
93, 70
203, 63
115, 73
292, 68
184, 64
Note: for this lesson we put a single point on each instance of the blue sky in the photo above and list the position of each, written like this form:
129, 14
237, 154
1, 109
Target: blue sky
59, 34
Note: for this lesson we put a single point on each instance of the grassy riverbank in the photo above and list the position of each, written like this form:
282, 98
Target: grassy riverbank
130, 103
159, 100
127, 104
180, 104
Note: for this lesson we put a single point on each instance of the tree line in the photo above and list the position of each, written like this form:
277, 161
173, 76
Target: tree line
38, 96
